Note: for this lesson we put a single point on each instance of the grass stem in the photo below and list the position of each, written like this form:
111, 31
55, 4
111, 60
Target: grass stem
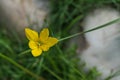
21, 67
99, 27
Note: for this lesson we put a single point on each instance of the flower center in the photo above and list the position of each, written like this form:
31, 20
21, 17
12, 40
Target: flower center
39, 43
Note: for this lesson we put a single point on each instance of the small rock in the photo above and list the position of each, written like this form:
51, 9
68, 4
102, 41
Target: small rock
103, 51
15, 15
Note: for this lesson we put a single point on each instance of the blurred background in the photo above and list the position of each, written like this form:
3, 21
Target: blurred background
63, 18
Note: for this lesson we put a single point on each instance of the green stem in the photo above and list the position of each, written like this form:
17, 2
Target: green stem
72, 23
3, 43
24, 52
40, 64
67, 62
58, 78
21, 67
102, 26
113, 75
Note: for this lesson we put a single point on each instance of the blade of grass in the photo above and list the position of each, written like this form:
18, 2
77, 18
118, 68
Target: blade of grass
67, 62
24, 52
40, 65
53, 63
96, 28
72, 23
3, 43
113, 75
21, 67
55, 75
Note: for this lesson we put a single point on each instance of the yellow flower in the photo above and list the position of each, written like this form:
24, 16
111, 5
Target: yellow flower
39, 43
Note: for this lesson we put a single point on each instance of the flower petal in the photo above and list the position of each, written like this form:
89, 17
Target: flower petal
44, 35
51, 41
44, 47
31, 34
33, 45
36, 52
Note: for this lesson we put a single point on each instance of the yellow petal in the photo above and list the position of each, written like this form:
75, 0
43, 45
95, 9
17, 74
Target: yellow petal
36, 52
44, 47
31, 34
51, 41
44, 35
33, 45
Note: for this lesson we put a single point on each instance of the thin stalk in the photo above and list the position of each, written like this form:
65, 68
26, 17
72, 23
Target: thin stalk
73, 22
102, 26
67, 62
55, 75
21, 67
3, 43
24, 52
113, 75
40, 64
